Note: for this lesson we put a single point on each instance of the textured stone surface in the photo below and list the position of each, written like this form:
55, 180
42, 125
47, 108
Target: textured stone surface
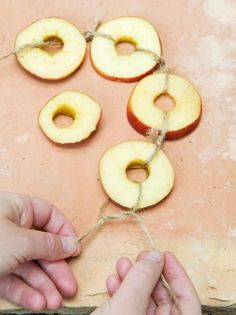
197, 221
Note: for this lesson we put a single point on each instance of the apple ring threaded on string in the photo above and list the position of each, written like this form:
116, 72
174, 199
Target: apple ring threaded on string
46, 64
182, 119
125, 67
119, 158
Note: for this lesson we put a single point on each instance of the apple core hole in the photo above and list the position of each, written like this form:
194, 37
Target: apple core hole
164, 102
125, 47
137, 172
52, 44
64, 117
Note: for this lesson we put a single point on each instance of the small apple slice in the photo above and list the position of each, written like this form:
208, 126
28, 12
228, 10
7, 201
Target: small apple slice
84, 111
50, 64
182, 119
125, 67
121, 157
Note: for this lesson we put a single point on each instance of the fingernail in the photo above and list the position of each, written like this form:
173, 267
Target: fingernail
154, 256
69, 244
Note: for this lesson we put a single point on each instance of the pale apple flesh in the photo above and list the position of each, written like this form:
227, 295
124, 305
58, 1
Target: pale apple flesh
182, 119
84, 111
125, 67
45, 64
114, 164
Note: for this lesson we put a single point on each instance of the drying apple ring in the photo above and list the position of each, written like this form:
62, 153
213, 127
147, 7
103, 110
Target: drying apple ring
125, 67
51, 65
84, 111
182, 119
114, 164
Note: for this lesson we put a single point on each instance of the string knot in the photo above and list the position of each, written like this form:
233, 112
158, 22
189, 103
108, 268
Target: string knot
88, 35
162, 62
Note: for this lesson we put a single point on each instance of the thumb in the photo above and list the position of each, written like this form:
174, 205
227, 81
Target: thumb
47, 246
140, 282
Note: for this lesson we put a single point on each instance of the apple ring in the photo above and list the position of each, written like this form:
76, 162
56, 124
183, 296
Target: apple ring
83, 109
51, 65
182, 119
114, 164
125, 67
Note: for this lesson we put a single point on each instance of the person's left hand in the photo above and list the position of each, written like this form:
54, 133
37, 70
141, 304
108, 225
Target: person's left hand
35, 239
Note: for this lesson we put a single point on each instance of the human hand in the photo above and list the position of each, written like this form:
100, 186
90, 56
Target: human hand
33, 270
136, 289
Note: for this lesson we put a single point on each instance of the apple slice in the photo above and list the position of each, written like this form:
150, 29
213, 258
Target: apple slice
125, 67
121, 157
51, 64
84, 111
182, 119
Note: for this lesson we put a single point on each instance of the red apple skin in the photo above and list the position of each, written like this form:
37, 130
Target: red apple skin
127, 80
170, 135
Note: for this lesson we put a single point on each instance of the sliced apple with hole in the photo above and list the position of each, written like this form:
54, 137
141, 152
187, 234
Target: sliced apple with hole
85, 114
118, 159
131, 65
182, 119
59, 48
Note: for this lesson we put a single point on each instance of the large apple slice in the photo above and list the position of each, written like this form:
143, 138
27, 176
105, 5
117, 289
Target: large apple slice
50, 64
119, 158
181, 120
125, 67
84, 111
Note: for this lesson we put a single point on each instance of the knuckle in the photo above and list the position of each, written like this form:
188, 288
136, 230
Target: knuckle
52, 244
26, 246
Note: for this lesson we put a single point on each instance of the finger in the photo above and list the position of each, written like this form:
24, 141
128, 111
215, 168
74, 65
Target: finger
123, 266
37, 279
162, 299
48, 217
36, 245
113, 283
140, 282
160, 294
61, 275
151, 309
181, 285
16, 291
31, 211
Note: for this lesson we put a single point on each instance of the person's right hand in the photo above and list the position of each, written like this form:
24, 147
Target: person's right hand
136, 289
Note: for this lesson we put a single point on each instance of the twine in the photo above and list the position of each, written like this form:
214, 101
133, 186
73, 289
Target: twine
124, 214
48, 43
90, 34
